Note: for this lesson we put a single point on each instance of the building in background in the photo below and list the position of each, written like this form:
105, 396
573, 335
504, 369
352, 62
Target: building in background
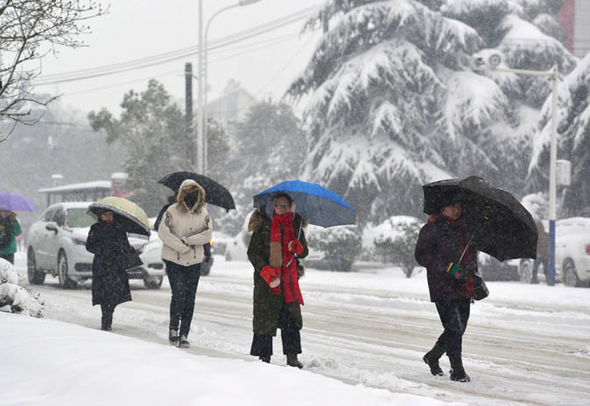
232, 105
574, 19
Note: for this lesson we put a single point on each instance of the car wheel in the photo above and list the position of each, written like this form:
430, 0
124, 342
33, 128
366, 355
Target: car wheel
35, 277
570, 276
62, 272
154, 282
525, 271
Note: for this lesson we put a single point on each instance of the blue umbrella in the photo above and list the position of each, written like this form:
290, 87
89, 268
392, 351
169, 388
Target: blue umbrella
320, 206
15, 202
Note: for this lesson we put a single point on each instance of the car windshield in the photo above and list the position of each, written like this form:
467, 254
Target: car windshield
79, 218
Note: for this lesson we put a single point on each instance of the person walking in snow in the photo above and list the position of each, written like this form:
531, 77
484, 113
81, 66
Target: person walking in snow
185, 228
171, 200
107, 240
277, 241
441, 242
9, 230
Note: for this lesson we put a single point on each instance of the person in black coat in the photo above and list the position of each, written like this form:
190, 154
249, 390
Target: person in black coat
107, 240
441, 243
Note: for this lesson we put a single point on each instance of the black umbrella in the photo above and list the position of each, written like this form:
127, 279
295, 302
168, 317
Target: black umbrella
216, 194
500, 225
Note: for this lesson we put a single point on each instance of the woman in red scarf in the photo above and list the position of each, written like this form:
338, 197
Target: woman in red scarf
441, 242
277, 241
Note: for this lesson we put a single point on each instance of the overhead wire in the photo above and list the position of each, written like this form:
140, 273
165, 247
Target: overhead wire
174, 55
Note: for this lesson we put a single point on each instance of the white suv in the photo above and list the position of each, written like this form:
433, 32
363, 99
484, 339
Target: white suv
572, 253
56, 245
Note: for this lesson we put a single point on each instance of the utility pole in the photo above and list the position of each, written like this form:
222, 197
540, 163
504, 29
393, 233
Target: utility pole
200, 89
188, 86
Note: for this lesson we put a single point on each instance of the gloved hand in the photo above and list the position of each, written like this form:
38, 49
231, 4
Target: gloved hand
296, 247
454, 270
272, 276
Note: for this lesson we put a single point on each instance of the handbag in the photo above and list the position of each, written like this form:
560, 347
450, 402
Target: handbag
480, 290
130, 260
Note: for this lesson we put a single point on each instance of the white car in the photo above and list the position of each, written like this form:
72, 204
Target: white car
572, 253
56, 245
236, 248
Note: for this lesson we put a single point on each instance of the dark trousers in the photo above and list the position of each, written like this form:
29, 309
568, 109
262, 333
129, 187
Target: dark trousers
107, 313
262, 344
454, 315
8, 257
536, 264
183, 283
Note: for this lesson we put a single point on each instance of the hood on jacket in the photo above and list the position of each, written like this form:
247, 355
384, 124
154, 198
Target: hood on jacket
187, 186
257, 220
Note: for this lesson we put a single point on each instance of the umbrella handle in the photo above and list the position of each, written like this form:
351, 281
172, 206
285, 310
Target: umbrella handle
465, 250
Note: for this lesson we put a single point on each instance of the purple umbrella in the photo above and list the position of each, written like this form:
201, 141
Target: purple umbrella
15, 202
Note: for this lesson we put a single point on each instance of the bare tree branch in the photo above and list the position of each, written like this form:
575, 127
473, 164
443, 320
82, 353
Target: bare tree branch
29, 29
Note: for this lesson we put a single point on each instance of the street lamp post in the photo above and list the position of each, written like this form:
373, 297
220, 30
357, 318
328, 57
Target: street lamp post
202, 83
553, 76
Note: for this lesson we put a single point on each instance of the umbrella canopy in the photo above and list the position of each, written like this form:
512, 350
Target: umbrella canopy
128, 214
215, 194
15, 202
320, 206
500, 225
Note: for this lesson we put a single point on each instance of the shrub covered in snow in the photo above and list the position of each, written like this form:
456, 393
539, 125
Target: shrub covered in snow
17, 298
394, 241
339, 245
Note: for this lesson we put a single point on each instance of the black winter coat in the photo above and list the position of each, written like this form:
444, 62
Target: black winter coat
437, 246
112, 253
267, 307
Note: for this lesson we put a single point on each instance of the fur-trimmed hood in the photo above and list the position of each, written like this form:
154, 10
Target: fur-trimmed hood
187, 186
258, 220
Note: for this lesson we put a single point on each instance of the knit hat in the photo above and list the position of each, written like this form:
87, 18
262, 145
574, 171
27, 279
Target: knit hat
450, 197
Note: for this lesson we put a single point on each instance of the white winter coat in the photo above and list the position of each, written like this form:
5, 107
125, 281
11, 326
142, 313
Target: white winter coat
184, 230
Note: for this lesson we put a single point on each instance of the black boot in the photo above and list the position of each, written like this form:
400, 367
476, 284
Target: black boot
103, 324
431, 359
292, 361
106, 322
458, 373
265, 358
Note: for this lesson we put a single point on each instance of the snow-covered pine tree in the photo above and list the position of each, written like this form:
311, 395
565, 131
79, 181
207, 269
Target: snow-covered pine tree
394, 102
523, 33
573, 134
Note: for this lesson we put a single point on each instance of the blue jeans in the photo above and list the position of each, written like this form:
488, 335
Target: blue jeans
183, 283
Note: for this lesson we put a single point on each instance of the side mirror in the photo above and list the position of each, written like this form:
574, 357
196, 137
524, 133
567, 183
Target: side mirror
51, 226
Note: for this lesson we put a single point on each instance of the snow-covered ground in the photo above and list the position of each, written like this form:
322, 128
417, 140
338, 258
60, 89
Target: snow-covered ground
525, 345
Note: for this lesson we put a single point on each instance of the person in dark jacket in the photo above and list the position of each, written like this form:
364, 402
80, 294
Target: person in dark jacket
277, 241
9, 230
107, 240
441, 243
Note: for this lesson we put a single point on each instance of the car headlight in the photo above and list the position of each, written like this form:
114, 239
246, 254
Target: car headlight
78, 241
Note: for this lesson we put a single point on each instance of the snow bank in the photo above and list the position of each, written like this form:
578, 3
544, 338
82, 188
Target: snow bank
15, 297
54, 363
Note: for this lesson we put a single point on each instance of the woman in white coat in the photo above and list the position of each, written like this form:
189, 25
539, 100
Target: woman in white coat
186, 227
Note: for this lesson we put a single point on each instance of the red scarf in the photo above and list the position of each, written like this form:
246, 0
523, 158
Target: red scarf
467, 288
289, 278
